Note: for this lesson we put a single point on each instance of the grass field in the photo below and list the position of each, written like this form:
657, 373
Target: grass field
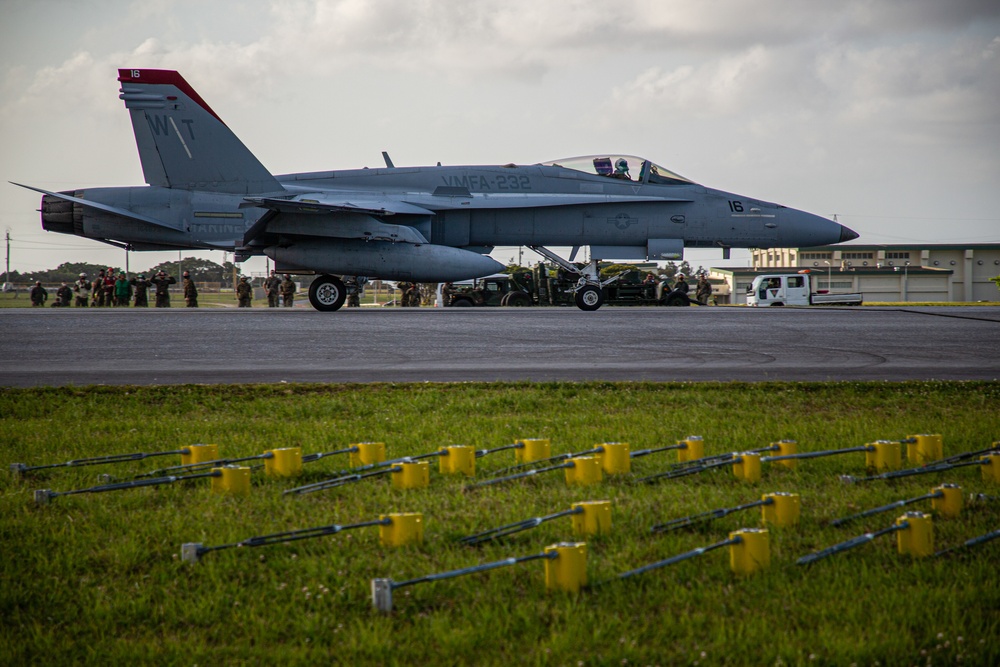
97, 578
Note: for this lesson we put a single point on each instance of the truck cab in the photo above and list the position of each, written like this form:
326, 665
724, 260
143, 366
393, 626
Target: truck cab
794, 290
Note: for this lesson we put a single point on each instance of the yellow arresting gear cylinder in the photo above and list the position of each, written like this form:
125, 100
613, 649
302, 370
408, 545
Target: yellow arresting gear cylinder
532, 449
200, 454
883, 455
746, 466
232, 480
414, 475
752, 552
457, 460
991, 466
918, 539
403, 529
949, 505
924, 448
616, 458
694, 448
284, 462
787, 448
584, 471
783, 511
595, 518
367, 454
568, 570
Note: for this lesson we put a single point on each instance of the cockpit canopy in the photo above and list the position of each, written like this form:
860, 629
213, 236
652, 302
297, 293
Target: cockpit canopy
623, 167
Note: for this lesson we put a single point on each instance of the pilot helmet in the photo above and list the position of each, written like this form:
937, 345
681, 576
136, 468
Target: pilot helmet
621, 165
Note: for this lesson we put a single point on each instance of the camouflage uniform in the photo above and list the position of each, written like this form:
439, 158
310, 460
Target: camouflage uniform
63, 296
97, 289
162, 282
271, 286
414, 293
190, 291
82, 289
140, 286
448, 291
244, 292
38, 295
404, 293
287, 291
704, 291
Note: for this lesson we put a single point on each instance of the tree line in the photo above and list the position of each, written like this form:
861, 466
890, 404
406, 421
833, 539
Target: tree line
202, 270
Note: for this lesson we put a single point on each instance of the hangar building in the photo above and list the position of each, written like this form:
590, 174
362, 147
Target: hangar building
903, 272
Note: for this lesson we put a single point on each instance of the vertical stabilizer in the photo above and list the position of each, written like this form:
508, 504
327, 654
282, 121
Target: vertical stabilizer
182, 142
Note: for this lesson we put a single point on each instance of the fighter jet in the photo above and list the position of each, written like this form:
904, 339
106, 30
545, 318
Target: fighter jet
205, 189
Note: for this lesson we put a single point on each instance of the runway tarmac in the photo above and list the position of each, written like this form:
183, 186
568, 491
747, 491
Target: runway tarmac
57, 347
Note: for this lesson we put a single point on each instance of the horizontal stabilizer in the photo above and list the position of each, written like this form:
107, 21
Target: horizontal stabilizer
102, 207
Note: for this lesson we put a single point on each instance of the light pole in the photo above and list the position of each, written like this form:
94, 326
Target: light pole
906, 281
829, 274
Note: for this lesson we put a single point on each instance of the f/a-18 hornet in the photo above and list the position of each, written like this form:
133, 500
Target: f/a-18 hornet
426, 224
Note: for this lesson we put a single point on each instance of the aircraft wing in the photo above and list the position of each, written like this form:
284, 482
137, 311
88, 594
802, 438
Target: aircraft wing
125, 213
324, 203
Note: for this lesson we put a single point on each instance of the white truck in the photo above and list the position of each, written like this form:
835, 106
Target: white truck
780, 289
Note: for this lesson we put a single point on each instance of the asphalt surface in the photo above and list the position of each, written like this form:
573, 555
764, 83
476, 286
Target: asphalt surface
226, 346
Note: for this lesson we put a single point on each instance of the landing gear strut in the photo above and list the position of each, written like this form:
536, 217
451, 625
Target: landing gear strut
588, 292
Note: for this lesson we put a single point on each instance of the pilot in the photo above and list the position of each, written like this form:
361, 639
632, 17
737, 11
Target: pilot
621, 169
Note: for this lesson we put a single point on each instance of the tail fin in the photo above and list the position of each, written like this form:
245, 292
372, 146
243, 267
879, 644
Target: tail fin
182, 142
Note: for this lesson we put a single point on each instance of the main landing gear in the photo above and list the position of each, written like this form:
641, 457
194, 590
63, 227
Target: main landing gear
327, 293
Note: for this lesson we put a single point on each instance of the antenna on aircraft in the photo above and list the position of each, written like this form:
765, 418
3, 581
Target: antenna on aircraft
388, 160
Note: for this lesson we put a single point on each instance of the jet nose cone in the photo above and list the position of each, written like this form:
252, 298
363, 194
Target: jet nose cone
847, 234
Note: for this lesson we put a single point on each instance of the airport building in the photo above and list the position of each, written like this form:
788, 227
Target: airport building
904, 272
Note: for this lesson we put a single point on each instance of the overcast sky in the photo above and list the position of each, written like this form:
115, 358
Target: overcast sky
886, 113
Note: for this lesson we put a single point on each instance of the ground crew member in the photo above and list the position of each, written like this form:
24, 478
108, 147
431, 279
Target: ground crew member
38, 294
139, 286
123, 291
287, 291
244, 292
704, 290
414, 294
190, 291
404, 293
448, 291
681, 284
271, 288
97, 287
109, 287
63, 296
82, 289
162, 282
353, 291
